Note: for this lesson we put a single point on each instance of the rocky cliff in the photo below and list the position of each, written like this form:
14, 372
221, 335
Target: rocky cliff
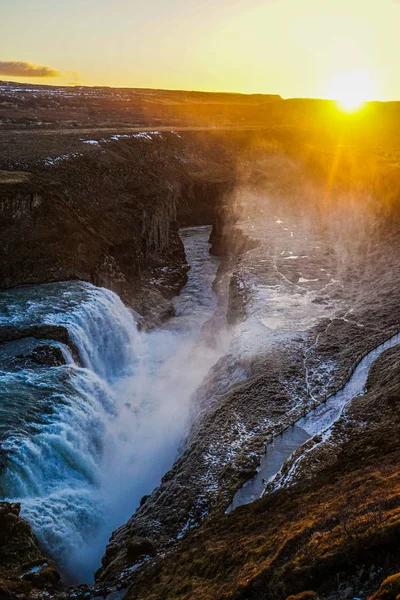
336, 534
109, 215
23, 568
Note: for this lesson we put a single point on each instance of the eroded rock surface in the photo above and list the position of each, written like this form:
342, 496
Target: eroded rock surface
23, 568
335, 532
109, 215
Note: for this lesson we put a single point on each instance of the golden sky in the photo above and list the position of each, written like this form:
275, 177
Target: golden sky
290, 47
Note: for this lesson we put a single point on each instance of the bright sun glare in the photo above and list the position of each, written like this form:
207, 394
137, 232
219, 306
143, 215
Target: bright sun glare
351, 90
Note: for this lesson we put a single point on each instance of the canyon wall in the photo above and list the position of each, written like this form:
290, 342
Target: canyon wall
110, 216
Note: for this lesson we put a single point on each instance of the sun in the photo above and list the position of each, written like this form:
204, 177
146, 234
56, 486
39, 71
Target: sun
351, 90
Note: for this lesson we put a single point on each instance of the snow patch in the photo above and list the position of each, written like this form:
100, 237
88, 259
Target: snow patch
35, 569
303, 280
51, 162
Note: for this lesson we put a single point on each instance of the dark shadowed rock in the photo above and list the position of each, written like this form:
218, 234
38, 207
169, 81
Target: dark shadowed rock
23, 567
111, 217
46, 356
138, 547
58, 333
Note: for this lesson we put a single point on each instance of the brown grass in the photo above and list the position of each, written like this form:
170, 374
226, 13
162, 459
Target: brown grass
299, 538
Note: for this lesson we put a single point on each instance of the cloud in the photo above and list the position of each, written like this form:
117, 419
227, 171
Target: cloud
14, 68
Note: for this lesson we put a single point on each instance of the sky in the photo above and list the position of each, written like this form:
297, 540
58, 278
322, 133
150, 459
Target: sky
295, 48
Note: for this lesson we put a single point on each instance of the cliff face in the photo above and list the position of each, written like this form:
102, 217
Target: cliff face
110, 217
23, 568
307, 298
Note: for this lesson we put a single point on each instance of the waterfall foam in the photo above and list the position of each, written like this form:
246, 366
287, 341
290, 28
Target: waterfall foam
84, 443
56, 470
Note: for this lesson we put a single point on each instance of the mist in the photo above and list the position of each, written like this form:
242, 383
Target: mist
153, 411
345, 195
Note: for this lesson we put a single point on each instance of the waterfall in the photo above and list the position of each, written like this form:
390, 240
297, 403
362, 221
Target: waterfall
104, 331
56, 470
82, 443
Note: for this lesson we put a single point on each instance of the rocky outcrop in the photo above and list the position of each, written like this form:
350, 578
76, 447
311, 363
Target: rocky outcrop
23, 568
43, 355
58, 333
110, 216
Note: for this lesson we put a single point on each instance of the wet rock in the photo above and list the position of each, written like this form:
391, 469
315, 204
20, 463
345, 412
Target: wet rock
46, 356
58, 333
138, 547
80, 592
22, 564
143, 499
41, 574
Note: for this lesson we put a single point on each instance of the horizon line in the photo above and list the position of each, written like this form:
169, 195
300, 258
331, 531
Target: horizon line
186, 90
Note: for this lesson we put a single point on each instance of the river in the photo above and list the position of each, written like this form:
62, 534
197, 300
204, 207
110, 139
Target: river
317, 421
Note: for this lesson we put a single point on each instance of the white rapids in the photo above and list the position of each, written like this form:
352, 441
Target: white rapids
80, 445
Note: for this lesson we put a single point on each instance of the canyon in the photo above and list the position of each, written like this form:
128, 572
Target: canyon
179, 296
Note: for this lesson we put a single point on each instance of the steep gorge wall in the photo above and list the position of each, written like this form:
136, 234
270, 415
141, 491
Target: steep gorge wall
336, 533
110, 216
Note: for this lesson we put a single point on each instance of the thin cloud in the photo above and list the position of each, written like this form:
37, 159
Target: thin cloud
26, 69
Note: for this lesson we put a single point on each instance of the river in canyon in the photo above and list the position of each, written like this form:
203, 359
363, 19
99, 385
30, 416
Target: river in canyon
82, 443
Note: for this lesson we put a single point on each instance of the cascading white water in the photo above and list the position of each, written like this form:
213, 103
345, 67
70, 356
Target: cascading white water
56, 471
83, 444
